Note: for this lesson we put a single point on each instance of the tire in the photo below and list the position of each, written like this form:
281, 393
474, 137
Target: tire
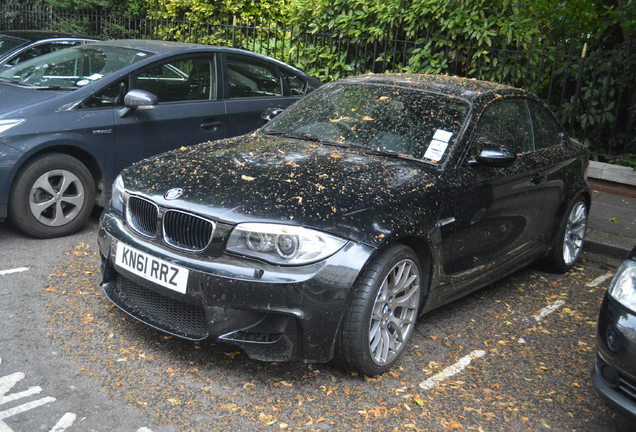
568, 243
369, 340
52, 196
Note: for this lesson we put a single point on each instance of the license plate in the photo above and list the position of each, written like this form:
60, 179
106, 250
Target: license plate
153, 269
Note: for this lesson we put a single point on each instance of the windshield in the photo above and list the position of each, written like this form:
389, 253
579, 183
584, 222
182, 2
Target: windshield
73, 67
396, 120
9, 43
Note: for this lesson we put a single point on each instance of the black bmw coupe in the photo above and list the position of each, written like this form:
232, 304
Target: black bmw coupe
330, 230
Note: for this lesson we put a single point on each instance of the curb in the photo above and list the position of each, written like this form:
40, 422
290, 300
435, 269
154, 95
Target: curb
605, 249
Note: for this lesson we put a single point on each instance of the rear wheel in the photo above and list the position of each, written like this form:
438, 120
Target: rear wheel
52, 196
569, 241
379, 323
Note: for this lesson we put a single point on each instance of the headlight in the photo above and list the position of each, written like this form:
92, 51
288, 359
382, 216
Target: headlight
117, 195
623, 286
282, 244
5, 125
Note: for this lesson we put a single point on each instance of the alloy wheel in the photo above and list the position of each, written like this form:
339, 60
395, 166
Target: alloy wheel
394, 312
56, 197
574, 233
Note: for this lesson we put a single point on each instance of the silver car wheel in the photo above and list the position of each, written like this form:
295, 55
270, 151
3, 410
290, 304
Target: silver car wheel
56, 197
394, 312
574, 233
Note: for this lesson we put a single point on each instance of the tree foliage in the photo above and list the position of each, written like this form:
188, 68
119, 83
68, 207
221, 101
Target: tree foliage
581, 50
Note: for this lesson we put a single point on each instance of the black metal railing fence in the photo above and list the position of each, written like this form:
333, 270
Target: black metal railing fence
594, 98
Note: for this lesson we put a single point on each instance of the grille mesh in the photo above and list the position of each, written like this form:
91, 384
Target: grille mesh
186, 231
176, 317
142, 216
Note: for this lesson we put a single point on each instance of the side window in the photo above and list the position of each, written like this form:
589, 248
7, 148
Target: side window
110, 97
507, 123
297, 86
185, 79
249, 77
547, 132
41, 49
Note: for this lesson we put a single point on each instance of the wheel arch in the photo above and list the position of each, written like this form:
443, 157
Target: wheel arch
565, 205
422, 248
78, 153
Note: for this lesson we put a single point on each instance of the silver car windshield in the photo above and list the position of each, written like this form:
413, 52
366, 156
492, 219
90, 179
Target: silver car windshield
73, 67
393, 120
9, 43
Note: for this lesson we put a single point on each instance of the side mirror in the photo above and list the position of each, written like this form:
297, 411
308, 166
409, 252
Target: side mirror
494, 156
270, 113
138, 100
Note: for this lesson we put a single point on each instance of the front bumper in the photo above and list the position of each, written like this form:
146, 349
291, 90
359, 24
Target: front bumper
614, 373
9, 157
272, 313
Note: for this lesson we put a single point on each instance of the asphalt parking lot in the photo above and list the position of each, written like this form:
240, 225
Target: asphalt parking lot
514, 356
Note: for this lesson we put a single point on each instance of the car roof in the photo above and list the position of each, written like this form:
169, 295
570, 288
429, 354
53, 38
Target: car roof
166, 47
466, 88
35, 35
153, 46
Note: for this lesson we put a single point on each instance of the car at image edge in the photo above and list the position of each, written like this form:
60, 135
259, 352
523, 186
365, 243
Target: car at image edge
72, 119
614, 373
330, 230
17, 46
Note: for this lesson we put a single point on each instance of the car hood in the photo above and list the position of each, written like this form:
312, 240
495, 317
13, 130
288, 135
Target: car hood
261, 178
14, 98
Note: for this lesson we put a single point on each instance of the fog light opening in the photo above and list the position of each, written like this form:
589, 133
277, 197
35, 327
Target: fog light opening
609, 374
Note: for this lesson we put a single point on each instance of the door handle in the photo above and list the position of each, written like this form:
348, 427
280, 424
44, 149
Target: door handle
536, 179
207, 125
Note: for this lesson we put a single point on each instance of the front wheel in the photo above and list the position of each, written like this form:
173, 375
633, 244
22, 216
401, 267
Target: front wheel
569, 241
378, 325
52, 196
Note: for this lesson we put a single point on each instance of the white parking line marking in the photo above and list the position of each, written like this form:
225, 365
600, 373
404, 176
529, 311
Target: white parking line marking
599, 280
25, 407
549, 309
66, 421
7, 382
28, 392
15, 270
451, 370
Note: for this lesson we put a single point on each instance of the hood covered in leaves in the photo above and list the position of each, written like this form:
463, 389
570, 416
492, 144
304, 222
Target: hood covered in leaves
264, 178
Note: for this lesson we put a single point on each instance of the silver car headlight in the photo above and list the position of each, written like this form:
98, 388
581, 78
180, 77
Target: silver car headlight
117, 195
5, 125
623, 286
282, 244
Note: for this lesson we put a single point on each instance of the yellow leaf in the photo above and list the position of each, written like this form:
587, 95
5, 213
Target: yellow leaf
247, 178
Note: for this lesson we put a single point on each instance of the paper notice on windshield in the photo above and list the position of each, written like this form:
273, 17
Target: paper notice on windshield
442, 135
435, 150
438, 145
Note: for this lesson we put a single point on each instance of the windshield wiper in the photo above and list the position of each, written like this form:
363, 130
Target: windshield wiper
36, 87
307, 137
53, 87
14, 81
391, 154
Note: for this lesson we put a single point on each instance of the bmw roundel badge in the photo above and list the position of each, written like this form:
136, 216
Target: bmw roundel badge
173, 194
